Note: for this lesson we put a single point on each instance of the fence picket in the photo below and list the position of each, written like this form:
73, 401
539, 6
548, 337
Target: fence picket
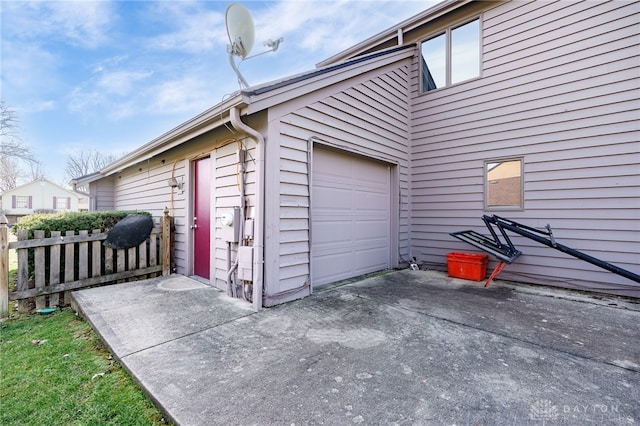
54, 270
153, 253
131, 259
108, 261
83, 258
121, 261
96, 256
4, 266
69, 258
39, 263
142, 258
23, 272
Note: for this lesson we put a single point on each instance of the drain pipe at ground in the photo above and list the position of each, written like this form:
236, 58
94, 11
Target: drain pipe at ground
258, 238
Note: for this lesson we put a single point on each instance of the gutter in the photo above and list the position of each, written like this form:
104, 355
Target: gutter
258, 241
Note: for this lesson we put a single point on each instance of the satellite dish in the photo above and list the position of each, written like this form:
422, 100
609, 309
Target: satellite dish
240, 29
241, 32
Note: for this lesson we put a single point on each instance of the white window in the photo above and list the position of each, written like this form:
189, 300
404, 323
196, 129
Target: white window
22, 201
452, 56
62, 203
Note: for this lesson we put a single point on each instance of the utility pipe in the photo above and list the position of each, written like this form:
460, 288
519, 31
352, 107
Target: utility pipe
258, 237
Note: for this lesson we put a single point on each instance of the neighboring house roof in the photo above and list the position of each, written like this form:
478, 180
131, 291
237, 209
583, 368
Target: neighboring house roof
254, 99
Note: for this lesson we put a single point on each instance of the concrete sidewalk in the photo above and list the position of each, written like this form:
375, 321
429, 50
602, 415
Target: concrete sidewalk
407, 347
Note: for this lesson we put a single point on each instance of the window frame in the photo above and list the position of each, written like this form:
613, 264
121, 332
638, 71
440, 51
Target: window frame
485, 177
62, 203
19, 201
448, 52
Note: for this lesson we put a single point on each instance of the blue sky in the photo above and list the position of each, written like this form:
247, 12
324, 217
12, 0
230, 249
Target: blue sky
113, 75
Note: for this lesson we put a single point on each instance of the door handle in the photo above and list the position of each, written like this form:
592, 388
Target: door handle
194, 226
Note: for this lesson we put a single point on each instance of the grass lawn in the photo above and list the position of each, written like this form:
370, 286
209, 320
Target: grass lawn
54, 369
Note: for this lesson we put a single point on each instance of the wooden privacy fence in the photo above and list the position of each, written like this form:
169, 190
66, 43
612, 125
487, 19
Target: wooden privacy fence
62, 263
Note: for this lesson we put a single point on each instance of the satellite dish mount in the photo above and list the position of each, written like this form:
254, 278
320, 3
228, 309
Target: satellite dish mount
241, 32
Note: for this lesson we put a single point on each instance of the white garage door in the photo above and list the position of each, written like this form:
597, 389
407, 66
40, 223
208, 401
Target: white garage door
351, 216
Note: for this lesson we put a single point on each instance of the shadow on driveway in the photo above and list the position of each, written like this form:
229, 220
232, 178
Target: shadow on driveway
406, 347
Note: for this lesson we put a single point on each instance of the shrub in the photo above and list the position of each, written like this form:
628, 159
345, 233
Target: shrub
63, 222
72, 221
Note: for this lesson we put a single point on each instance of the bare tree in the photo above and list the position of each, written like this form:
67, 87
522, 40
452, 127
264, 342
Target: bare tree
13, 153
9, 172
35, 171
86, 162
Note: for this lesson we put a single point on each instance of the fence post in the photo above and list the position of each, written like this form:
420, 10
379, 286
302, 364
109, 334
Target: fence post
166, 243
4, 267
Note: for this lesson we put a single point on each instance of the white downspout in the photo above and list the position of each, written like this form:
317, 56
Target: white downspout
258, 235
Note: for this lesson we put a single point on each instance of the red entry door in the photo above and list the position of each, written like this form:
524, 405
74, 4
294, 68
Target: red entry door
201, 217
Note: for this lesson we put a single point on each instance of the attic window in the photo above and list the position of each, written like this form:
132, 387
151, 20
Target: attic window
452, 56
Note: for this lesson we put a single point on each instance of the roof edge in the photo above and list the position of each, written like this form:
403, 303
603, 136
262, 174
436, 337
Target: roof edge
287, 81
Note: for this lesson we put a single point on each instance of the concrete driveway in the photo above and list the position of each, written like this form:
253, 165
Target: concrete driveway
407, 347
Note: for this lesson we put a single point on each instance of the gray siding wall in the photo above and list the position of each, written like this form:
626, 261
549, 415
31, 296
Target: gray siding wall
102, 191
226, 196
370, 118
559, 88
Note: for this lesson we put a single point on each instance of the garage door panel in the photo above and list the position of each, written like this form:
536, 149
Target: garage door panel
351, 216
371, 260
374, 203
332, 232
334, 266
332, 198
370, 230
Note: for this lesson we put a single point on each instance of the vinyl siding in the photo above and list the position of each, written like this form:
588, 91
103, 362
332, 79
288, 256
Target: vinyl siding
368, 118
226, 196
102, 192
559, 88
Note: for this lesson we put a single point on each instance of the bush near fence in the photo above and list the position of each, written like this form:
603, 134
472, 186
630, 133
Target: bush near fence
72, 221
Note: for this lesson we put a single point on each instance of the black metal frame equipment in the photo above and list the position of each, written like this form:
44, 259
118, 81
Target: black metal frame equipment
507, 253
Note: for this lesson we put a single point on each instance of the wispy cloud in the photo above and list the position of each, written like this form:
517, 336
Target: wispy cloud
191, 27
121, 83
81, 23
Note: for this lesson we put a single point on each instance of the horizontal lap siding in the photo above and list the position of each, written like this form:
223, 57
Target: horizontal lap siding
103, 191
560, 89
370, 119
225, 196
